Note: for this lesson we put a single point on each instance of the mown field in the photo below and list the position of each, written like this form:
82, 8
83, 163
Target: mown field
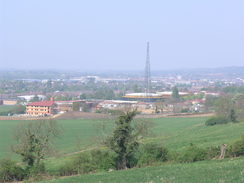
174, 133
214, 171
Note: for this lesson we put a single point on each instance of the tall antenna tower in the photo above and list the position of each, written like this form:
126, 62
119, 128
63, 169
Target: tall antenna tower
148, 73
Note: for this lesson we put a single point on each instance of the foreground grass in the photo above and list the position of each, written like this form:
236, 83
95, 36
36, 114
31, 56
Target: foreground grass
215, 171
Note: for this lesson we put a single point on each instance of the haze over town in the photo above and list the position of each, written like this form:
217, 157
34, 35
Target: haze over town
109, 35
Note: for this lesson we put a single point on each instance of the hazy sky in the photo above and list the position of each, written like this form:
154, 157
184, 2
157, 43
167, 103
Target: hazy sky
112, 34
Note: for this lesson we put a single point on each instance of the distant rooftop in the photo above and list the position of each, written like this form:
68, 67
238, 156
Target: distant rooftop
143, 94
158, 94
42, 103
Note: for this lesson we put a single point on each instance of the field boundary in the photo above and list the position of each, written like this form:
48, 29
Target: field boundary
86, 115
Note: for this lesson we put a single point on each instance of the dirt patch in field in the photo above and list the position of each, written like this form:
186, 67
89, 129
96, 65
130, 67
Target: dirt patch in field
83, 115
89, 115
187, 115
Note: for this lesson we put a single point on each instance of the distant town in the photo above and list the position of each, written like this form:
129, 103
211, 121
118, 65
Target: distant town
176, 92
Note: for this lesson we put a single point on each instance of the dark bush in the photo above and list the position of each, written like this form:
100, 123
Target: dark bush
103, 160
37, 169
173, 156
216, 121
212, 152
5, 113
237, 148
185, 110
192, 154
79, 165
68, 170
151, 153
9, 171
83, 163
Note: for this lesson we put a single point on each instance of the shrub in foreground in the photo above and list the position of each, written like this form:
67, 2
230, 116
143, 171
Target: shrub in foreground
216, 121
237, 148
79, 165
151, 153
67, 170
213, 152
192, 154
103, 160
10, 171
89, 162
36, 172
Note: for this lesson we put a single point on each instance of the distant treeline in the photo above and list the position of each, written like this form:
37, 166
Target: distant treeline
233, 89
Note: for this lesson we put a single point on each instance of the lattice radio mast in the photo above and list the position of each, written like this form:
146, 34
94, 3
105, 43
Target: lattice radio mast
148, 72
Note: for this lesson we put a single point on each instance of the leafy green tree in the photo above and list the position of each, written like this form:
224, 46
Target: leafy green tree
124, 141
85, 107
83, 96
76, 106
239, 106
175, 93
223, 106
233, 117
210, 102
136, 89
35, 99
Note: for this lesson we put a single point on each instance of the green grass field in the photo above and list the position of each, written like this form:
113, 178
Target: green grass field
215, 171
5, 108
76, 135
174, 133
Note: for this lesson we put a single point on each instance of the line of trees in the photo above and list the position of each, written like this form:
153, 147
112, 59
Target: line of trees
228, 108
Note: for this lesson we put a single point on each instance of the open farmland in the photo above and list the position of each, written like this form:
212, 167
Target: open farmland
174, 133
6, 108
76, 135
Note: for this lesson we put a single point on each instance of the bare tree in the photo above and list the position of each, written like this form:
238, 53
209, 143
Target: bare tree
34, 140
223, 106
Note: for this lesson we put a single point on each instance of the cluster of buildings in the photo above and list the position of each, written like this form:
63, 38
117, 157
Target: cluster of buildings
151, 97
8, 102
151, 103
47, 108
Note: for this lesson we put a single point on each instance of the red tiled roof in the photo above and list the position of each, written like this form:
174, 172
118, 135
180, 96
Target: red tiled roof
64, 101
42, 103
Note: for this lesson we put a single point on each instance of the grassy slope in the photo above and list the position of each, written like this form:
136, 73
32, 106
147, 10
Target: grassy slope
175, 133
215, 171
73, 131
6, 137
5, 108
